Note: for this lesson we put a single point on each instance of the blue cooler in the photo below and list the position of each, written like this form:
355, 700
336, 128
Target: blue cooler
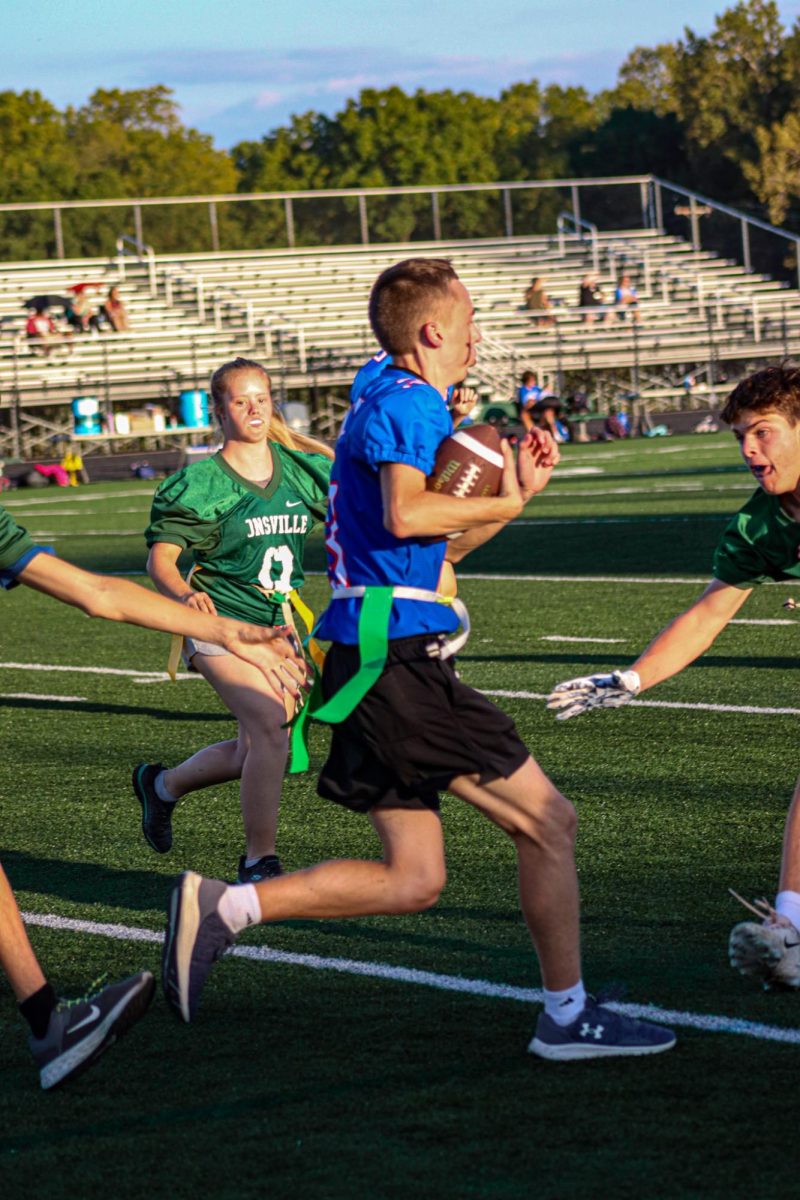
193, 407
86, 415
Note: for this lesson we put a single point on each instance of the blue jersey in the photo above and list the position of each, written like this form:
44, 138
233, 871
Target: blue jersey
374, 367
399, 418
528, 396
370, 370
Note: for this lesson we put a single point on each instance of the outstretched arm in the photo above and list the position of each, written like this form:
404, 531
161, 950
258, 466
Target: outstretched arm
120, 600
690, 634
677, 645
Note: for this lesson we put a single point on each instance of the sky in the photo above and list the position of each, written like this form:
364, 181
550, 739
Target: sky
240, 68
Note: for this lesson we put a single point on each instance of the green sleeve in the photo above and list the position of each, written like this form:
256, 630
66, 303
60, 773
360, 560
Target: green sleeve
175, 519
736, 560
14, 540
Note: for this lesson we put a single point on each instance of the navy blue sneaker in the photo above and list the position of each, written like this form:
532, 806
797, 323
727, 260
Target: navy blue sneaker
80, 1030
156, 814
598, 1032
196, 937
267, 867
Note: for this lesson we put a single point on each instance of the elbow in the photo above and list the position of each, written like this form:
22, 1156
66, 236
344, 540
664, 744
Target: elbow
397, 523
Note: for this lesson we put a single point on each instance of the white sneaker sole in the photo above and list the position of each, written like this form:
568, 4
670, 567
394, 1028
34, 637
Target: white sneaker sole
110, 1028
572, 1051
184, 905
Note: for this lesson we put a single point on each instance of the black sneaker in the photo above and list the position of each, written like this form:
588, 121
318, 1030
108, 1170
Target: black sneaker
599, 1032
196, 937
268, 867
80, 1030
156, 815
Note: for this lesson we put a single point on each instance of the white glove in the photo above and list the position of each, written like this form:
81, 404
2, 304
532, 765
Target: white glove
576, 696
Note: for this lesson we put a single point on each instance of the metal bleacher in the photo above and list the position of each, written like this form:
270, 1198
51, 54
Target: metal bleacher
303, 312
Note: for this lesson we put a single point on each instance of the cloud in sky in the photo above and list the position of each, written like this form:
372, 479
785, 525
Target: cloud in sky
241, 95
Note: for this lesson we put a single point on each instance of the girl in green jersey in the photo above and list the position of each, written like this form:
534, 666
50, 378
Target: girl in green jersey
243, 516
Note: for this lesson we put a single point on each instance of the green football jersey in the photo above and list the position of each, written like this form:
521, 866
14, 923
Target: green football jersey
14, 540
761, 542
242, 537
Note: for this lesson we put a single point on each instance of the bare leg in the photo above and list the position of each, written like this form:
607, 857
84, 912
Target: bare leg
542, 824
790, 861
16, 953
408, 878
258, 756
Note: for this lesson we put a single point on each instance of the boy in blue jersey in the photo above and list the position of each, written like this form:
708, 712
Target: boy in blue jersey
418, 729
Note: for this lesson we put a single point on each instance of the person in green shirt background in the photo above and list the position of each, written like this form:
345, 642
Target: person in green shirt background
761, 542
243, 515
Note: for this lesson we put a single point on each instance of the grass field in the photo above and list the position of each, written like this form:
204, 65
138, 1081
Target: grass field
326, 1068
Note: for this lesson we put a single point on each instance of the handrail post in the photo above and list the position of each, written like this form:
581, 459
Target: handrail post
212, 220
695, 222
746, 245
251, 324
287, 206
644, 200
576, 203
151, 271
362, 219
137, 224
121, 258
437, 218
59, 232
201, 298
508, 216
756, 321
560, 234
659, 204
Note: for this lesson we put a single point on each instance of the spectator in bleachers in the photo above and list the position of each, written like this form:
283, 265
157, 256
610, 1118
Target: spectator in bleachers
42, 331
114, 311
538, 303
81, 312
626, 299
590, 297
528, 394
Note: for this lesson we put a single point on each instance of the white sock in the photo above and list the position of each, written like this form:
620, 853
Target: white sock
788, 905
564, 1007
239, 906
162, 791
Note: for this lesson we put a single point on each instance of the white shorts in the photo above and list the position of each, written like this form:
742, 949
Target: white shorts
191, 647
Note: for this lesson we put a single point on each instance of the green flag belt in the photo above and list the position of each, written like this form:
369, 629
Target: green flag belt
373, 647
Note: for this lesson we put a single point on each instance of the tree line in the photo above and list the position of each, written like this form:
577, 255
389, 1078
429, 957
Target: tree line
717, 113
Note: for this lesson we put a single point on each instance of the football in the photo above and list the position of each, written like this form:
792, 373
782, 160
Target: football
468, 463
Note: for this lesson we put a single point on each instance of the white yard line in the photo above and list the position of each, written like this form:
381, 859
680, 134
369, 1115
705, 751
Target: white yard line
30, 501
749, 709
706, 1022
43, 696
558, 637
161, 677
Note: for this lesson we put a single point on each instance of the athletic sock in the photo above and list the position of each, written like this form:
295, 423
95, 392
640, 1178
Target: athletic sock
251, 862
162, 791
788, 905
564, 1007
239, 906
37, 1009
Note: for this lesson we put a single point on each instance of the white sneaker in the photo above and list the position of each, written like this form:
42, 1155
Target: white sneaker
769, 952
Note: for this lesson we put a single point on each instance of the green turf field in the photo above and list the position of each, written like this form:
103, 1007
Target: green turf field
327, 1071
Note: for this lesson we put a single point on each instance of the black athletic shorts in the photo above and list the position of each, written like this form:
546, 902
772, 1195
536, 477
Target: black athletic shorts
416, 729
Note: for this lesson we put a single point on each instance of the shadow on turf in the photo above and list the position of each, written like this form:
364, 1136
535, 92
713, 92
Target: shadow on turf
602, 660
124, 710
143, 891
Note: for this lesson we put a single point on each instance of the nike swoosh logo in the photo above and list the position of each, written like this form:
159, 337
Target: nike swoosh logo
92, 1016
791, 945
293, 503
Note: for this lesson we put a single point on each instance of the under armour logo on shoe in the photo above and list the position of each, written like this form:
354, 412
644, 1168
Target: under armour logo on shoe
588, 1031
